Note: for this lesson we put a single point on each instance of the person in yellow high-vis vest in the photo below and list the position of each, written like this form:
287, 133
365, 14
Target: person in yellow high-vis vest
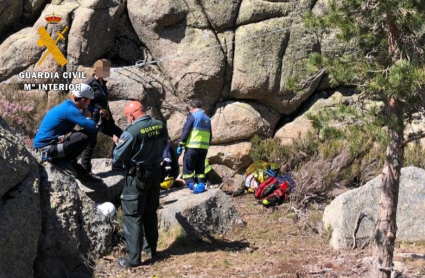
196, 139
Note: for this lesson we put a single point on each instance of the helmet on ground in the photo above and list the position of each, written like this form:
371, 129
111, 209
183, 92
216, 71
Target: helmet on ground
167, 183
107, 208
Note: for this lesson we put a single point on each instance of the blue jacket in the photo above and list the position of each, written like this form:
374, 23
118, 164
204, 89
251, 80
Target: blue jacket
197, 132
61, 120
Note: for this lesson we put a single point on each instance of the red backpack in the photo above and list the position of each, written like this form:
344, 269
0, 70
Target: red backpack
278, 195
266, 187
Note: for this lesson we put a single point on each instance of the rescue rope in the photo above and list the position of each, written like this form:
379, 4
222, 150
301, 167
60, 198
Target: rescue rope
143, 63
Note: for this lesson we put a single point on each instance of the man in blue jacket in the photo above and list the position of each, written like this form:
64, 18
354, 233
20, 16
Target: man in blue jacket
196, 139
53, 140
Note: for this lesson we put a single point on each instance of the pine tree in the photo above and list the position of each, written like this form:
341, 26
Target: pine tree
389, 64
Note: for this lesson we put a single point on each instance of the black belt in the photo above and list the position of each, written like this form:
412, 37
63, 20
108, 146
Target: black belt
149, 167
132, 171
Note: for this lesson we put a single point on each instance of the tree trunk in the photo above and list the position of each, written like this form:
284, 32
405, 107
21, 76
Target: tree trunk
386, 228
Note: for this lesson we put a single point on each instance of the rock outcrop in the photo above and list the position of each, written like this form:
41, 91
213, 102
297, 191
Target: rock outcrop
235, 156
236, 121
181, 28
234, 56
341, 214
110, 188
325, 100
93, 30
200, 215
10, 12
20, 216
301, 125
74, 232
229, 180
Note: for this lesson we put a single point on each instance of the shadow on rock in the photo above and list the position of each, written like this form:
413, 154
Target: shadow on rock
74, 233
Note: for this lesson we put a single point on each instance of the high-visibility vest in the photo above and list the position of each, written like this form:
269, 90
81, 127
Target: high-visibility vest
199, 136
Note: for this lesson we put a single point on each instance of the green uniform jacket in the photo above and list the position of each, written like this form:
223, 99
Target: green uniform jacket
142, 142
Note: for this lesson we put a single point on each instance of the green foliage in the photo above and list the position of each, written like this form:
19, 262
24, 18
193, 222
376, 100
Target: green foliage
269, 150
364, 128
273, 151
414, 155
377, 67
334, 130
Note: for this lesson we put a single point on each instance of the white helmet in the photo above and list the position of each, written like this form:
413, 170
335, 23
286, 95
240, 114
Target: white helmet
84, 91
107, 208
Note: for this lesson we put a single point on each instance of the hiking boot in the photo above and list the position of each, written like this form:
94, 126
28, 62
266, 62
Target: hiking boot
122, 263
45, 157
84, 175
118, 167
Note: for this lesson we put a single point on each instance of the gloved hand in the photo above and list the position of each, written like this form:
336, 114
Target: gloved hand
180, 150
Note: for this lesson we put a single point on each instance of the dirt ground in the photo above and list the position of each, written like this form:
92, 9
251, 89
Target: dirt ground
271, 244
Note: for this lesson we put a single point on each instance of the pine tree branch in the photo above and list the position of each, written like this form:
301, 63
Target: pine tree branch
356, 228
414, 137
307, 83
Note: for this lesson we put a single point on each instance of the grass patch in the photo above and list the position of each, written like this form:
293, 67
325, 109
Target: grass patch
227, 263
174, 236
327, 234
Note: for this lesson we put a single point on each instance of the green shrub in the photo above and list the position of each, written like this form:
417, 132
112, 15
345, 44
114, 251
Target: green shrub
414, 155
289, 155
346, 146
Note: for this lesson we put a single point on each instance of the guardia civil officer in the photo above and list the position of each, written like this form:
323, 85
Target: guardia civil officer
196, 139
140, 148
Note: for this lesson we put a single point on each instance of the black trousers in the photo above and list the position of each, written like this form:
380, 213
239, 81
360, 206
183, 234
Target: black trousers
72, 147
194, 165
140, 201
109, 128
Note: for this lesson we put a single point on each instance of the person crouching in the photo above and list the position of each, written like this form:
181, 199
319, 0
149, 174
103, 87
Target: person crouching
56, 139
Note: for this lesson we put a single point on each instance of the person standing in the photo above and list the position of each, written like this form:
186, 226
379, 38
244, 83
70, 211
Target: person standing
196, 139
53, 139
99, 107
140, 148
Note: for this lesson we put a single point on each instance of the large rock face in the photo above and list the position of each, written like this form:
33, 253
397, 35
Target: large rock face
235, 121
93, 30
341, 214
235, 156
20, 216
10, 12
72, 229
180, 29
208, 213
235, 56
301, 125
